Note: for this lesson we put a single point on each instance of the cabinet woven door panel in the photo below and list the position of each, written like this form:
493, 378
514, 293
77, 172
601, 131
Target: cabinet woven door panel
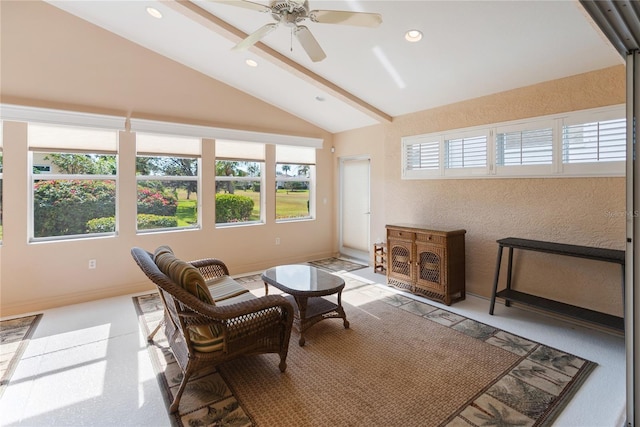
400, 260
431, 271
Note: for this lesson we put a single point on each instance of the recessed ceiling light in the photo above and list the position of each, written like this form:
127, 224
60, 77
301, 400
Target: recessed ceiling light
251, 63
413, 36
154, 12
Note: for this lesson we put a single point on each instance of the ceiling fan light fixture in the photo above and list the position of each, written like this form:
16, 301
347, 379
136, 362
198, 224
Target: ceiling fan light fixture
413, 36
251, 63
154, 12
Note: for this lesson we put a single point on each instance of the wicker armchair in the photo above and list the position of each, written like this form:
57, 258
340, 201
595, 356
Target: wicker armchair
244, 324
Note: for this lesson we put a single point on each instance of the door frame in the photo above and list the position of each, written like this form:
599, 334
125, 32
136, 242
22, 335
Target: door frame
359, 255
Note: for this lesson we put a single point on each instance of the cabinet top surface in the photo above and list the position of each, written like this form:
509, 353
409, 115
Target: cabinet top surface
425, 228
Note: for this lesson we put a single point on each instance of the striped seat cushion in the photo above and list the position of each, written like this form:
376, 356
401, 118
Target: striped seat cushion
224, 287
204, 338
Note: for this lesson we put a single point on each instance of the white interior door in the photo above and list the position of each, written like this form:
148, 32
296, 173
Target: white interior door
355, 207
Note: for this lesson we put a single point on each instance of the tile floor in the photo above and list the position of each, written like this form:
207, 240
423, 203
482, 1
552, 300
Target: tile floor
87, 364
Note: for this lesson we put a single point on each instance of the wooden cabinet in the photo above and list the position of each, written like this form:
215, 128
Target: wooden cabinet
427, 262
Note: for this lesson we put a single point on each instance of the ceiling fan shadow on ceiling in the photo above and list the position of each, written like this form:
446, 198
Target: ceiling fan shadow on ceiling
291, 13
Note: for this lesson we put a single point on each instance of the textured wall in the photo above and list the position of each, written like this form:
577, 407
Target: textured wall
585, 211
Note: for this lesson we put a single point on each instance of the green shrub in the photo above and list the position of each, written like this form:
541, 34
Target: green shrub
233, 208
156, 202
64, 207
148, 221
145, 222
101, 225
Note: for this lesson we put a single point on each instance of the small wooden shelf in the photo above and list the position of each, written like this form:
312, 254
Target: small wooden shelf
380, 258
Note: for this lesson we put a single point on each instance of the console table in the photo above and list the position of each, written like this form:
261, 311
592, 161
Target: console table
598, 254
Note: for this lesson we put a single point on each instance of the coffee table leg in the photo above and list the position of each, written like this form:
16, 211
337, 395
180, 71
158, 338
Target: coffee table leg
302, 312
341, 312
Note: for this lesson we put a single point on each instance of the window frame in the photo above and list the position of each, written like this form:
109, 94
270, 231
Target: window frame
310, 180
259, 179
55, 176
189, 153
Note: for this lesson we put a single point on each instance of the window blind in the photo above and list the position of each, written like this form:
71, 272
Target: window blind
236, 150
167, 145
422, 155
469, 152
46, 137
526, 147
598, 141
288, 154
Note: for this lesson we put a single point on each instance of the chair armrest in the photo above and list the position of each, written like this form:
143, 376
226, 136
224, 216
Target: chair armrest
210, 268
221, 314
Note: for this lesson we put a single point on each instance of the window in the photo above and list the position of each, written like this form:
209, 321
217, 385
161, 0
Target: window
585, 143
76, 195
239, 189
167, 170
295, 172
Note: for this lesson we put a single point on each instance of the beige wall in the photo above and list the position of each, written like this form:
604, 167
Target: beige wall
51, 59
569, 210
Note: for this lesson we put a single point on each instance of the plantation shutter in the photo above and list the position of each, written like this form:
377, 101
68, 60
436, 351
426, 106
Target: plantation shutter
466, 152
595, 141
422, 155
525, 147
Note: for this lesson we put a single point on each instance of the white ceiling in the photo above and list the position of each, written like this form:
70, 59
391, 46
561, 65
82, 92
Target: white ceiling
469, 49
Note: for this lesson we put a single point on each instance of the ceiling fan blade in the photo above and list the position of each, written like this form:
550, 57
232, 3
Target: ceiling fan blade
358, 19
309, 43
255, 37
244, 4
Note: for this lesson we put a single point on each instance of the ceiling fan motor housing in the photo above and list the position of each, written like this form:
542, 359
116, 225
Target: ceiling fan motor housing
289, 12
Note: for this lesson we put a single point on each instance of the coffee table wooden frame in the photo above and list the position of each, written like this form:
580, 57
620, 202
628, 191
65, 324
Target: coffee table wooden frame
310, 307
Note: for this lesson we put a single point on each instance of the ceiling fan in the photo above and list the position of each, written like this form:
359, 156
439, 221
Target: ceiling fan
291, 12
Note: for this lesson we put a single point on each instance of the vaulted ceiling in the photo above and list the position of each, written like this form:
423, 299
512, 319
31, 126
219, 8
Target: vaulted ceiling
370, 75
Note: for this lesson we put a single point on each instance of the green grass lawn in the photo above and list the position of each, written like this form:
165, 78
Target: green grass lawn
289, 204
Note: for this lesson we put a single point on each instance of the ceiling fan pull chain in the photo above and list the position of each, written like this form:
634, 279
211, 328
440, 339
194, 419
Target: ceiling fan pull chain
291, 40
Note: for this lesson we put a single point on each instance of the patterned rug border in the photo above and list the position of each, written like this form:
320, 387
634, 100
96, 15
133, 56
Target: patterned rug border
20, 348
458, 418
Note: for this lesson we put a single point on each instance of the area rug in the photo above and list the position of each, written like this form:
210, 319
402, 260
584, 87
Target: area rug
402, 362
336, 265
14, 338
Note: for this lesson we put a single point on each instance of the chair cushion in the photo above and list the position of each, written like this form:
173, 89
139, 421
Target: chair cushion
204, 338
182, 273
224, 287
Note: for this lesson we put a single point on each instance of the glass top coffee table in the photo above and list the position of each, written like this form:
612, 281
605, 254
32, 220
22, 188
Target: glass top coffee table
305, 285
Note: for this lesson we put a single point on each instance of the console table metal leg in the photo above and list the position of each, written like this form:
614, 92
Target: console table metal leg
495, 280
507, 303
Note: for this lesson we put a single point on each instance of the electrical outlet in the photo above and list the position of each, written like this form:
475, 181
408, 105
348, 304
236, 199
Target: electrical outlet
92, 264
277, 240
